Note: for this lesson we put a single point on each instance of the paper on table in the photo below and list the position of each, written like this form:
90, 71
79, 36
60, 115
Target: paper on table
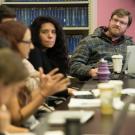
83, 103
59, 117
82, 93
58, 132
95, 92
28, 133
118, 105
129, 91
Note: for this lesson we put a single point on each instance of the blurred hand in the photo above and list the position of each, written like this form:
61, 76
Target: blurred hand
52, 82
71, 91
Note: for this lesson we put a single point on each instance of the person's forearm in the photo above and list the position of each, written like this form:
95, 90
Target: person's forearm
34, 93
15, 129
79, 70
31, 107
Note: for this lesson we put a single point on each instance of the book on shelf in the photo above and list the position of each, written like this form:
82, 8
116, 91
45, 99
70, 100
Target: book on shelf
66, 16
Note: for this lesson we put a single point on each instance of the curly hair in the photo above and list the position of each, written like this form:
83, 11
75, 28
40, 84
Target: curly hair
59, 50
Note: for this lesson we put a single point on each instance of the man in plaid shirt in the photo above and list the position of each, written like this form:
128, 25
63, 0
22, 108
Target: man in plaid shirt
103, 43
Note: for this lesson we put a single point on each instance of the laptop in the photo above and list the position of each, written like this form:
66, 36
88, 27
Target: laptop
131, 60
128, 66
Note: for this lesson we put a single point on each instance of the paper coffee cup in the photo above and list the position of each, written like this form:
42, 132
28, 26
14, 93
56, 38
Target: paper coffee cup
117, 87
117, 63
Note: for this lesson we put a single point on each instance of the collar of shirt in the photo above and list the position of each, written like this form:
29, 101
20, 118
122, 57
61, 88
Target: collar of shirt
115, 42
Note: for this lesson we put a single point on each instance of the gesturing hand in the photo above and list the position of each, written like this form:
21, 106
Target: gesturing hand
52, 82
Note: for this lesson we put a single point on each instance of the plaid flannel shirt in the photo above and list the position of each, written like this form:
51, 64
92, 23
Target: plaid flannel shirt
94, 47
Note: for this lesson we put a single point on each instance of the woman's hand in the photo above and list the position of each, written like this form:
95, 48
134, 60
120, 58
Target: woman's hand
93, 72
52, 82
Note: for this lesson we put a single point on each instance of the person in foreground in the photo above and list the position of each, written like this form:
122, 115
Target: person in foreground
10, 64
25, 103
103, 43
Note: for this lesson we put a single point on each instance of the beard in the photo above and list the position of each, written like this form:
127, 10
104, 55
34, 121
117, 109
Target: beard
115, 31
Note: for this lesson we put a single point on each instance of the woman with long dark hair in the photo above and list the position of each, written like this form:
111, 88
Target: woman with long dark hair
49, 39
50, 47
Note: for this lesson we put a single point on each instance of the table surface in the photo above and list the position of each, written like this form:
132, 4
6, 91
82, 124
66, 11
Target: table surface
101, 124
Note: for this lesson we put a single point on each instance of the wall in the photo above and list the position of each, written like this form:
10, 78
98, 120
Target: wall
105, 8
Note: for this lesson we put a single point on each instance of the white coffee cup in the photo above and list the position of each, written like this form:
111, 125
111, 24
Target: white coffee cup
117, 87
117, 63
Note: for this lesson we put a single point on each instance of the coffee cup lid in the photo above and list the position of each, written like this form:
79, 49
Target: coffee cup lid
117, 56
105, 85
116, 82
103, 60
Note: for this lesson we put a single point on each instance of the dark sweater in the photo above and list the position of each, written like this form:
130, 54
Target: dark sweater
94, 47
39, 58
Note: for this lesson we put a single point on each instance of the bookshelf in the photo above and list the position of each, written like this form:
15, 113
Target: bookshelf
76, 16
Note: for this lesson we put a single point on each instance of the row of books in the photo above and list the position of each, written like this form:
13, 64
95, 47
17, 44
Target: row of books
66, 16
72, 42
41, 0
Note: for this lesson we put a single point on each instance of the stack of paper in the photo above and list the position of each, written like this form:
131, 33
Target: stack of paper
58, 132
83, 103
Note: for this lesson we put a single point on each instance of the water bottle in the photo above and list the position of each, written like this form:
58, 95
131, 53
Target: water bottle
103, 71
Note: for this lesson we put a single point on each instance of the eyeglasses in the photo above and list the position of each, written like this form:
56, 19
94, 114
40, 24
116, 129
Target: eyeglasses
26, 42
115, 20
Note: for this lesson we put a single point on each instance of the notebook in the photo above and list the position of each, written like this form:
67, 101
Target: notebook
59, 117
131, 60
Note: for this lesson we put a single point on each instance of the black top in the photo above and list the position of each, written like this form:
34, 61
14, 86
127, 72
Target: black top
39, 58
